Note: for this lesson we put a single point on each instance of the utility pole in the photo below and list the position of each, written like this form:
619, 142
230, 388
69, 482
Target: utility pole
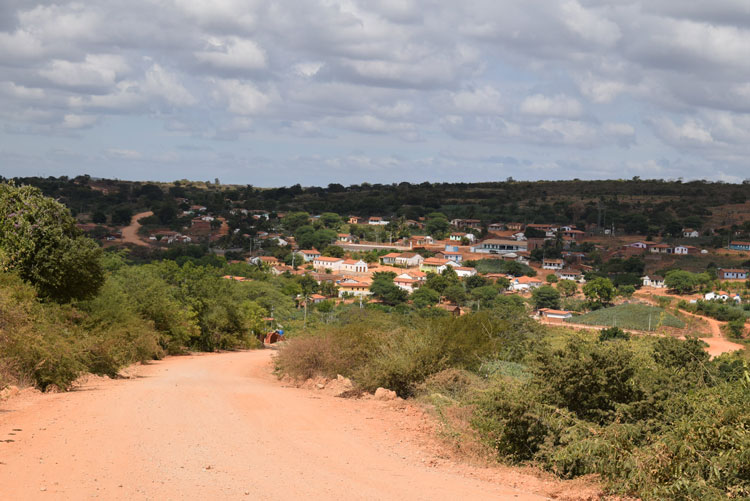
304, 323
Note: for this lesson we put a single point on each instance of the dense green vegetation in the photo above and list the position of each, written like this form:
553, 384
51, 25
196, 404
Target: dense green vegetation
653, 416
629, 316
647, 207
67, 308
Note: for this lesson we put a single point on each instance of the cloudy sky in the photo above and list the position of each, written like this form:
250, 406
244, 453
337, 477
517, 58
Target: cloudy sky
319, 91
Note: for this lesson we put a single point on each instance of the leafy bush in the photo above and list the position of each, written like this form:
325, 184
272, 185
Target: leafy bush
375, 349
611, 333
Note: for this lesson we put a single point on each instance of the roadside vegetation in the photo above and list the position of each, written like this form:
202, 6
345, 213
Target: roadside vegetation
654, 417
68, 308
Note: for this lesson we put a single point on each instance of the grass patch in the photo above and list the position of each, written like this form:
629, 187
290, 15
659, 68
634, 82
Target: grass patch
630, 316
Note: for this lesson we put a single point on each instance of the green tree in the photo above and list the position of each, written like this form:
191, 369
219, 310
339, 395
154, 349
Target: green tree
611, 333
388, 292
551, 278
546, 296
456, 294
685, 282
424, 297
294, 220
475, 281
590, 379
600, 291
329, 289
333, 251
99, 217
330, 220
567, 287
437, 225
39, 241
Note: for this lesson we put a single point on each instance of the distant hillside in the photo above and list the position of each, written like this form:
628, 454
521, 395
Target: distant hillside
636, 206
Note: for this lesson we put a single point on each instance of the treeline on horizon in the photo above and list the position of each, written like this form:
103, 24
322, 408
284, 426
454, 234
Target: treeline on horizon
638, 205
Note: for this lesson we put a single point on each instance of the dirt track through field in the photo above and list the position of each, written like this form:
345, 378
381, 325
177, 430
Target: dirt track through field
220, 426
130, 233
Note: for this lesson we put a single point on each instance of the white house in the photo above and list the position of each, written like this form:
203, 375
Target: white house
569, 274
655, 281
409, 259
353, 266
407, 283
498, 246
377, 221
554, 315
690, 233
465, 271
716, 296
332, 263
454, 256
553, 264
639, 245
685, 250
457, 237
732, 274
309, 254
389, 258
525, 283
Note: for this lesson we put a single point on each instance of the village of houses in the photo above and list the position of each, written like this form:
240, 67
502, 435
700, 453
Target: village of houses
411, 259
504, 241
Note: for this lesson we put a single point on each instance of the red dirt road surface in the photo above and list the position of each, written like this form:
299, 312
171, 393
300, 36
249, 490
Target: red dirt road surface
220, 426
130, 233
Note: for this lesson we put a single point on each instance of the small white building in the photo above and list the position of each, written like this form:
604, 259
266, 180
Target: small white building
524, 283
407, 283
377, 221
409, 259
573, 275
655, 281
553, 264
554, 315
325, 262
732, 274
454, 256
716, 296
690, 233
353, 266
309, 255
465, 271
389, 258
684, 250
458, 236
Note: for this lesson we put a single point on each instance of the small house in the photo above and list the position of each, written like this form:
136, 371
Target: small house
690, 233
553, 264
554, 315
732, 274
655, 281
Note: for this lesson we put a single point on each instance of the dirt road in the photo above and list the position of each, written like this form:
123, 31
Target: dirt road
717, 343
130, 233
221, 426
